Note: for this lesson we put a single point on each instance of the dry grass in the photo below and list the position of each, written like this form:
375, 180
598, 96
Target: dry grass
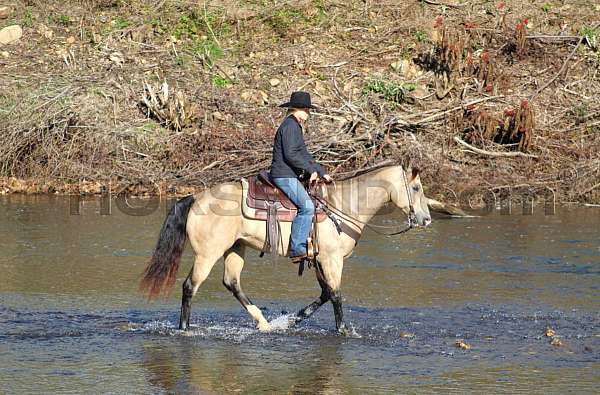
74, 111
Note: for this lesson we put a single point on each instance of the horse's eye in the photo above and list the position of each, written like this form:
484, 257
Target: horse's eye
416, 188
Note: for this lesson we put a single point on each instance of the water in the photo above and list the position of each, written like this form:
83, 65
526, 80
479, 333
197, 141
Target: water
72, 321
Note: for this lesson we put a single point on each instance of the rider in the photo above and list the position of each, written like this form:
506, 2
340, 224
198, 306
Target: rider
292, 162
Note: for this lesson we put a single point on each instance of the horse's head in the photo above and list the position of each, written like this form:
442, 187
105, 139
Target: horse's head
409, 197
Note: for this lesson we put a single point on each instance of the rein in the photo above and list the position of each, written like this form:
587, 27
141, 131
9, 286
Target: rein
330, 208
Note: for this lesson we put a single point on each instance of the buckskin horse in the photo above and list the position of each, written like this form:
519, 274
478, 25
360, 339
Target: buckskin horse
214, 222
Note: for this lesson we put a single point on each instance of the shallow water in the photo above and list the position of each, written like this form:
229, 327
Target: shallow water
72, 321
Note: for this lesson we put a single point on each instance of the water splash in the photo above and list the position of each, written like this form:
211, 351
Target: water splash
283, 322
229, 332
351, 332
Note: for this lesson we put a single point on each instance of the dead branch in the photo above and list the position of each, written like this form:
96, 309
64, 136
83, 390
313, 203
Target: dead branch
493, 153
562, 69
445, 208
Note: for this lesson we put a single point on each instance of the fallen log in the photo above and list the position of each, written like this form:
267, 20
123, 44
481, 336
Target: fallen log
443, 208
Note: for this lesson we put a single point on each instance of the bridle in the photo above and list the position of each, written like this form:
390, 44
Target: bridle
330, 210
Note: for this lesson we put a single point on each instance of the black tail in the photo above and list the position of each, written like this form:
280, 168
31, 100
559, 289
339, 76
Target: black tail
161, 271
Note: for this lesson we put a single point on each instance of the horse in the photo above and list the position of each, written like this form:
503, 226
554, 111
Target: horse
214, 224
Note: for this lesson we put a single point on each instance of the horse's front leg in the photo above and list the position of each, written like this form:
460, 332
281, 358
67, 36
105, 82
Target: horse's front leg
336, 301
330, 272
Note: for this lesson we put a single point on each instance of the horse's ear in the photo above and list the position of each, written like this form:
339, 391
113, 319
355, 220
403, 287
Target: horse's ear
415, 173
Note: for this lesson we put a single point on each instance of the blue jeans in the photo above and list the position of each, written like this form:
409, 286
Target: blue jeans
294, 190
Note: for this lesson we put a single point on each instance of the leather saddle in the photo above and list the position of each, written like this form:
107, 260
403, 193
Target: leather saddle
263, 195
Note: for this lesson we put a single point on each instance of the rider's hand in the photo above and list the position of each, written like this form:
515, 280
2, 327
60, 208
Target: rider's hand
327, 178
313, 177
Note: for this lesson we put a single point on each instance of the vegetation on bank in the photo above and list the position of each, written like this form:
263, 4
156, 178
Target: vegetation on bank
170, 95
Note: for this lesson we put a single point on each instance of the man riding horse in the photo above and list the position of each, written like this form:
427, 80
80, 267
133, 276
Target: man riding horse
292, 163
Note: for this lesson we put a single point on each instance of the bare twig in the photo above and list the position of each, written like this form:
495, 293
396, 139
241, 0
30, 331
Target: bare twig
492, 153
562, 69
431, 2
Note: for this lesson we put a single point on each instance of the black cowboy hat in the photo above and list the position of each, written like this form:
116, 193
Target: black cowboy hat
299, 100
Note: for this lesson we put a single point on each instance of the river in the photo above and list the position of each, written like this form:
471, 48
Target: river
72, 320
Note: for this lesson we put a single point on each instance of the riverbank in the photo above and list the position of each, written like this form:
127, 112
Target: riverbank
12, 185
178, 96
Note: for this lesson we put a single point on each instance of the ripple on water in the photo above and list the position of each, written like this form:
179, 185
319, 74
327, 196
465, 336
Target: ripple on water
499, 333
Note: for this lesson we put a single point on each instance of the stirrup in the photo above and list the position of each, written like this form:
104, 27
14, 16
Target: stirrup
310, 249
299, 258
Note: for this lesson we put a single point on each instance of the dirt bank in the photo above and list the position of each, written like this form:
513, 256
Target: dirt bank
480, 96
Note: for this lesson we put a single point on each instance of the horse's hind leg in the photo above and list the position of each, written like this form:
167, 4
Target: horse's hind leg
198, 273
234, 263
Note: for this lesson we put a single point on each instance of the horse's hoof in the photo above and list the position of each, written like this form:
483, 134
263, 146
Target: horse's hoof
344, 331
293, 320
348, 332
263, 326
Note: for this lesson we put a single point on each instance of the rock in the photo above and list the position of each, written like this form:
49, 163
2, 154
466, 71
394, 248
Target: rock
16, 185
297, 40
4, 12
412, 71
117, 58
420, 91
231, 72
255, 96
45, 31
556, 342
239, 13
274, 82
406, 68
247, 95
142, 34
10, 34
47, 188
550, 332
264, 97
462, 344
218, 116
71, 40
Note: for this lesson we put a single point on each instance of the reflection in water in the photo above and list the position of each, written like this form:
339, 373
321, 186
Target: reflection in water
325, 370
71, 317
163, 370
194, 367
